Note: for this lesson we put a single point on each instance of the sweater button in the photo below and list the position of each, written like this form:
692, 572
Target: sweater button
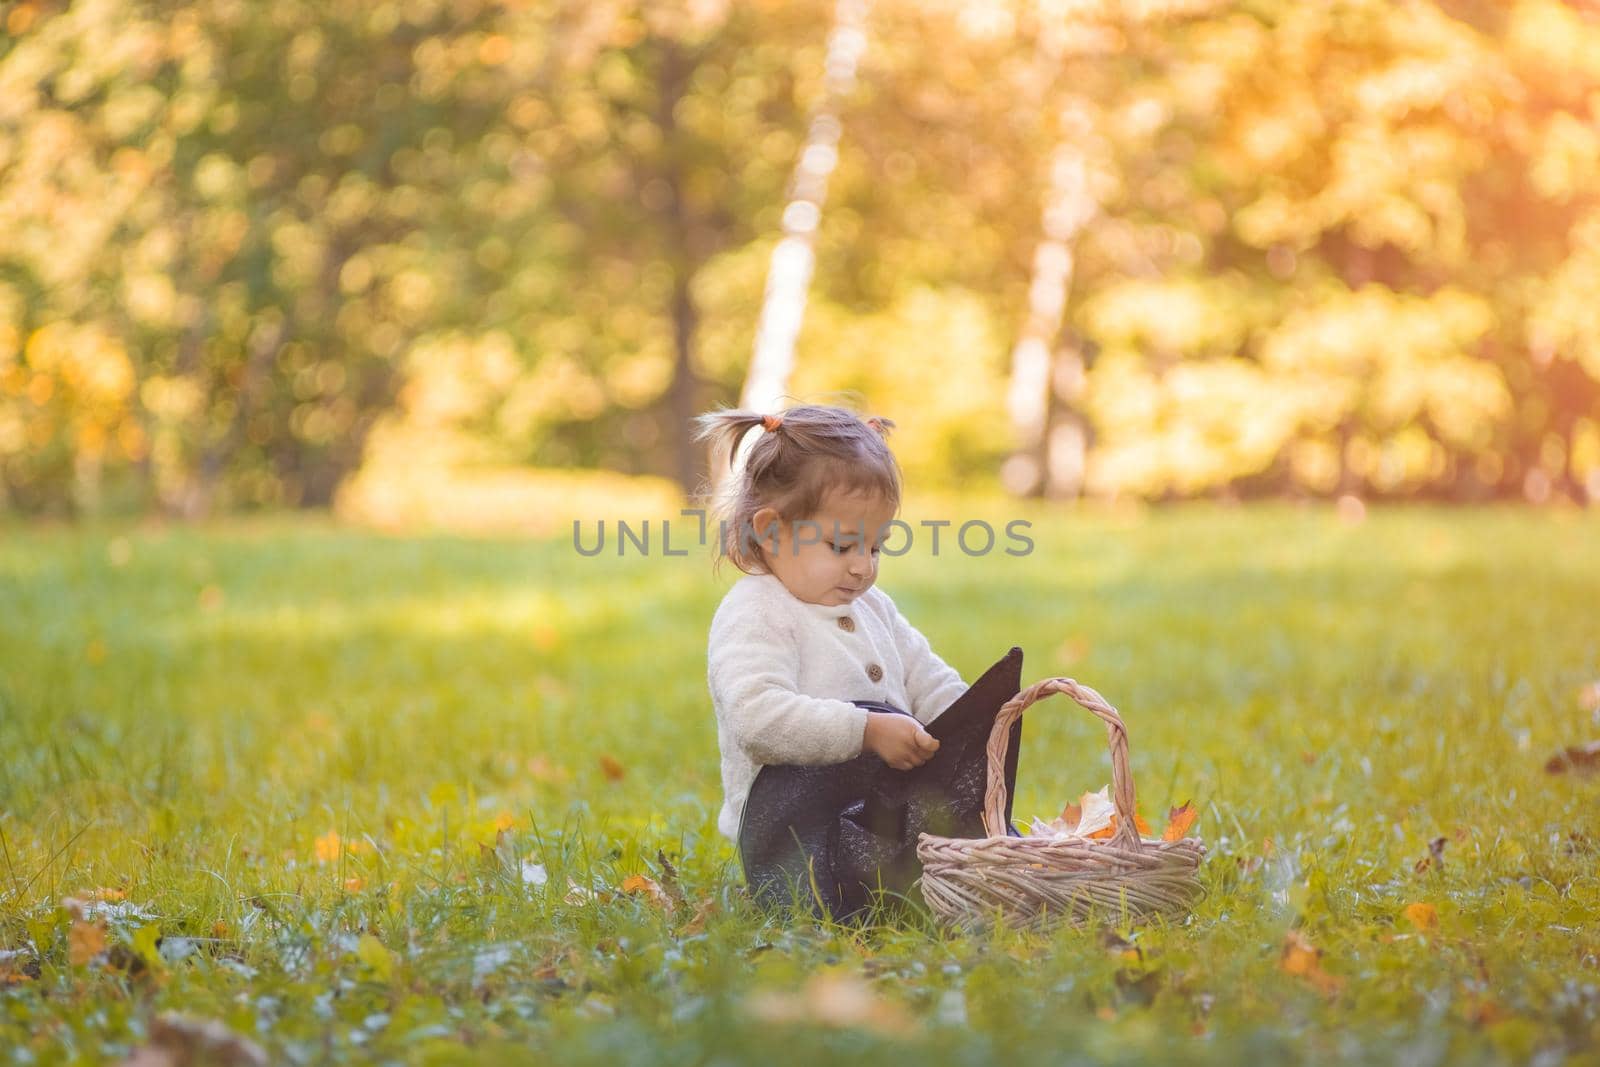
847, 624
875, 672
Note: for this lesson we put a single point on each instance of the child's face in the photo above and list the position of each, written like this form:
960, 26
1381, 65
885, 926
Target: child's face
832, 557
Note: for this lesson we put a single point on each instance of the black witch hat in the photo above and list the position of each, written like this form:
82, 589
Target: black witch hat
833, 834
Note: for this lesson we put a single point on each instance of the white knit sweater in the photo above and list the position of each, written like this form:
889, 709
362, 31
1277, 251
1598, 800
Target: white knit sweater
783, 672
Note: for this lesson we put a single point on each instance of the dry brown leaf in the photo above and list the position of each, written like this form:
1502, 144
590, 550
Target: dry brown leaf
838, 1000
1434, 858
1486, 1012
1579, 759
669, 879
612, 768
1178, 822
1302, 960
182, 1041
697, 922
85, 941
1422, 916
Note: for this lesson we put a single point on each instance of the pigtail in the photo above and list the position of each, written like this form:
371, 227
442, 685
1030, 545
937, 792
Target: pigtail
725, 428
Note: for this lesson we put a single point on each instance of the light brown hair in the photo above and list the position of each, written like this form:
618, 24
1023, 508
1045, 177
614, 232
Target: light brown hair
802, 453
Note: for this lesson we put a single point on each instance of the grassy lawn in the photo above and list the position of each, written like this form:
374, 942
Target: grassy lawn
351, 781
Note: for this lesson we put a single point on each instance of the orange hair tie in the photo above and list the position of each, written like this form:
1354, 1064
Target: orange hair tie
770, 423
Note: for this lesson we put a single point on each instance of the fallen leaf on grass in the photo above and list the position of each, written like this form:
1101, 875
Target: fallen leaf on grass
17, 966
1178, 822
1435, 857
183, 1041
612, 768
697, 922
1422, 916
326, 847
639, 885
1485, 1012
1579, 759
85, 939
837, 1000
545, 771
1302, 960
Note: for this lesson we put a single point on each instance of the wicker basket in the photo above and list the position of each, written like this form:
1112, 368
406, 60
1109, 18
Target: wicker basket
1038, 881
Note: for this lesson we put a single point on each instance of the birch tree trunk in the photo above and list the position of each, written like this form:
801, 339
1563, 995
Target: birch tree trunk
789, 274
1045, 394
1035, 361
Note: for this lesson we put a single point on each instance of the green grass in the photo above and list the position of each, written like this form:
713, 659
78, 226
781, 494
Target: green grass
185, 712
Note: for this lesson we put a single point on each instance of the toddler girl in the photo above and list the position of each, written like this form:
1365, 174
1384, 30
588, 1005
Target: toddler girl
806, 631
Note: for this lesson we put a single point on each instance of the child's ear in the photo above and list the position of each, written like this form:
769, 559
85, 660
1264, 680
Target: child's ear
763, 518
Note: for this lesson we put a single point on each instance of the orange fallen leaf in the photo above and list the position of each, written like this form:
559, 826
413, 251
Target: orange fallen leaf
837, 1000
1486, 1012
697, 922
353, 885
612, 768
544, 771
1422, 916
327, 847
648, 887
85, 941
1178, 822
1302, 960
107, 894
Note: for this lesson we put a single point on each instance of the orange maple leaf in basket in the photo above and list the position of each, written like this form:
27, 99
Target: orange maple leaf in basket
1106, 831
1178, 822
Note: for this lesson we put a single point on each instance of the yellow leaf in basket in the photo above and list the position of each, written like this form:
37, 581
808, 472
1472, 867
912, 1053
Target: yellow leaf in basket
1178, 822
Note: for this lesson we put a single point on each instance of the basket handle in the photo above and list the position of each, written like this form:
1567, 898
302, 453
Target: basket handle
994, 798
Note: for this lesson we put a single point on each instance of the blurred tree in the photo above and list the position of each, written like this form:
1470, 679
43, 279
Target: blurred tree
1345, 247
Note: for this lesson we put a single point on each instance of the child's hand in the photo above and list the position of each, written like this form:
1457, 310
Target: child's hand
899, 739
